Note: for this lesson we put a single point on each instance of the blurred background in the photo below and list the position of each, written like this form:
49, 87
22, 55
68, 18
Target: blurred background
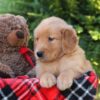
84, 15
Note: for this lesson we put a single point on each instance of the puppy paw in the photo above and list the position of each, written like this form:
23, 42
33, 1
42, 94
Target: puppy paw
47, 80
64, 82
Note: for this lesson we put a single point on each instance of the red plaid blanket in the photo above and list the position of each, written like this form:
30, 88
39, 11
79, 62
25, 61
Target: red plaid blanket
25, 88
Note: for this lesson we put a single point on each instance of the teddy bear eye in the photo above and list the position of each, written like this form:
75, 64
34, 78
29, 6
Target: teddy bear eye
12, 28
37, 38
51, 38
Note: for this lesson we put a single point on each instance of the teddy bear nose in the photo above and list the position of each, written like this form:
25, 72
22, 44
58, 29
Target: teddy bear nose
40, 54
20, 34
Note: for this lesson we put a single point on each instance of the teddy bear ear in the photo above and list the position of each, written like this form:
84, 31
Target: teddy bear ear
22, 19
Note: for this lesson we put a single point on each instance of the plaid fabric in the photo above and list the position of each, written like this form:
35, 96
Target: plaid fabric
83, 88
25, 88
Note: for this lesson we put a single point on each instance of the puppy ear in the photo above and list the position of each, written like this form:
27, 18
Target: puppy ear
69, 39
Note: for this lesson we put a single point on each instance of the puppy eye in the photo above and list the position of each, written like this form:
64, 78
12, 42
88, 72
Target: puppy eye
51, 39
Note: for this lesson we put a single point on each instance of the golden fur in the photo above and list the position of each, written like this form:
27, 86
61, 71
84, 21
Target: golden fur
63, 59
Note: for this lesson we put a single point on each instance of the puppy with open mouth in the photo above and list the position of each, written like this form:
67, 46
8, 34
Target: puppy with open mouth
59, 58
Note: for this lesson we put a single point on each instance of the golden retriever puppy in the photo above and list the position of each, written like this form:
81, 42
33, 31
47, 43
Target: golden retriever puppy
59, 59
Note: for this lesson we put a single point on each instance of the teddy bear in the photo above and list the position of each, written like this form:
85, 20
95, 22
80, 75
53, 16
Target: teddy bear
14, 34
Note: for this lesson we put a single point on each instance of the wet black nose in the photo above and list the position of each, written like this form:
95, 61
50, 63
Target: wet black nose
40, 54
20, 34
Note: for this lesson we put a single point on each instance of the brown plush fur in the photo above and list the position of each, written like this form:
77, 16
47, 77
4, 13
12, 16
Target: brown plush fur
62, 60
10, 44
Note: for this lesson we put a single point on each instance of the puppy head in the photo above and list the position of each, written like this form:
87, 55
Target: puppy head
53, 38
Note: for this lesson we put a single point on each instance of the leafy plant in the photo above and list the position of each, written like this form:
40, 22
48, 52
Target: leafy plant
84, 15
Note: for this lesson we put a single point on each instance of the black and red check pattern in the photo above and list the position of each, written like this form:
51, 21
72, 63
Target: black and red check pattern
25, 88
83, 88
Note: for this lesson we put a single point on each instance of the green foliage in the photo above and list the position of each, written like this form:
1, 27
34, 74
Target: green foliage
84, 15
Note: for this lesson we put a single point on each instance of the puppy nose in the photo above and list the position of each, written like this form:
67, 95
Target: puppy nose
40, 54
20, 34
